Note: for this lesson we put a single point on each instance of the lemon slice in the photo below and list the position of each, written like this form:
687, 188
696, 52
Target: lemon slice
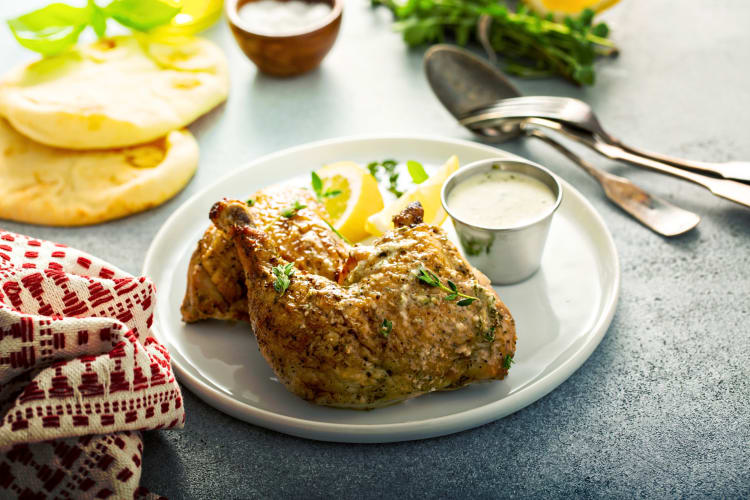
561, 8
427, 193
359, 197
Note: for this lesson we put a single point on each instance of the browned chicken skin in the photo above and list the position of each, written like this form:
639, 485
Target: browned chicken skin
216, 283
380, 335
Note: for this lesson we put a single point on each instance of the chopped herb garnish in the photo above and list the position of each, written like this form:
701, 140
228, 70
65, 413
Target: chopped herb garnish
393, 181
317, 185
489, 335
390, 168
283, 275
250, 202
292, 210
427, 276
337, 233
385, 327
373, 168
389, 165
508, 361
416, 170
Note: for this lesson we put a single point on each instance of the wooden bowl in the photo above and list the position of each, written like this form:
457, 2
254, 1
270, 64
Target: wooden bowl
286, 55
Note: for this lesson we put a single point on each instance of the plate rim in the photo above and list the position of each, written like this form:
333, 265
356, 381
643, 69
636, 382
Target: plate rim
403, 431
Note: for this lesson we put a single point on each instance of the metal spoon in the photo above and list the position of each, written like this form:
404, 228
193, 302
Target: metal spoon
463, 81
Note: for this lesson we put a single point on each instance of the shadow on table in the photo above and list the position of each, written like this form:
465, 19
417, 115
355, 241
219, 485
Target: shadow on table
161, 463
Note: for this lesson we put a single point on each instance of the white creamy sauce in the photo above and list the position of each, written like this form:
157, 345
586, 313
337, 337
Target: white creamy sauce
500, 199
280, 18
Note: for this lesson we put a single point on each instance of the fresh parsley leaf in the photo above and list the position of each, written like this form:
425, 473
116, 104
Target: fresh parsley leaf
508, 361
416, 171
250, 202
292, 210
385, 327
283, 275
141, 15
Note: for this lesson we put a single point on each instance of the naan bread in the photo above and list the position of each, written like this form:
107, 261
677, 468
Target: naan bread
58, 187
115, 92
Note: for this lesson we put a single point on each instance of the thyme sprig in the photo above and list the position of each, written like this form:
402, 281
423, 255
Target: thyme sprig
346, 240
427, 276
317, 185
283, 276
390, 168
385, 327
292, 210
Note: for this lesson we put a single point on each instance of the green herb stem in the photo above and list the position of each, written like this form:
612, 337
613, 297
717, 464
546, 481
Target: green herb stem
283, 276
430, 278
292, 210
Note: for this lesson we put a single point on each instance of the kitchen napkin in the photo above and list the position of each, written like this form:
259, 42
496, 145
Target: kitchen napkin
80, 374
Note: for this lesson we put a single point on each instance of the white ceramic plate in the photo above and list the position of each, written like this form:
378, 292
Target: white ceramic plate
561, 313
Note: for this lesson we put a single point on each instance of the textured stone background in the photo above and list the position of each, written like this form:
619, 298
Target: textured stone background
661, 407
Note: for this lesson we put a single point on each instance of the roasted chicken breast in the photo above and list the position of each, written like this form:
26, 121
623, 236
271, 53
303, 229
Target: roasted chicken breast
378, 334
215, 280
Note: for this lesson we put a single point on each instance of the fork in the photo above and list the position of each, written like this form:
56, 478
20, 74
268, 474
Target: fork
725, 188
578, 114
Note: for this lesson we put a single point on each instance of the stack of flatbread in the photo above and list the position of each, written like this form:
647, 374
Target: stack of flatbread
97, 133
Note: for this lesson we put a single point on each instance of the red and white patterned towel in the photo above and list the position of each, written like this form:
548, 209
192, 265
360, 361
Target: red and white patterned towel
80, 374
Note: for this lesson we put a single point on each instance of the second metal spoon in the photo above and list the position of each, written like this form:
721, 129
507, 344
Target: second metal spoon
462, 81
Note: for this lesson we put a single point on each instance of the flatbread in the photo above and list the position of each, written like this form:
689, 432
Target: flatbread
59, 187
115, 92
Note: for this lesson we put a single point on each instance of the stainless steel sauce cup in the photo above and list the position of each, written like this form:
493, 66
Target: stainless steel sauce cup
505, 254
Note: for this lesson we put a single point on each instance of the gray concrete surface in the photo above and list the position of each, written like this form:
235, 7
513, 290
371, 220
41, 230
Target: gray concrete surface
659, 410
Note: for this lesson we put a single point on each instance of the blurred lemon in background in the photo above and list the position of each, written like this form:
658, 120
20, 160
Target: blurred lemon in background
561, 8
194, 16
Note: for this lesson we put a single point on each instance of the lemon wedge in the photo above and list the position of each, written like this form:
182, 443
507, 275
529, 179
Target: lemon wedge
427, 193
561, 8
358, 199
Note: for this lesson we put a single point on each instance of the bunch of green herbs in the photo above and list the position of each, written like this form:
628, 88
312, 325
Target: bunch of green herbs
530, 45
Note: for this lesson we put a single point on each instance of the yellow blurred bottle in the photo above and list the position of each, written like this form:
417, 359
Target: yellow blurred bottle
194, 16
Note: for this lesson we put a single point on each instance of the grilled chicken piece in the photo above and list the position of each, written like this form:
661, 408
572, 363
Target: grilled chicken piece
215, 281
379, 335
